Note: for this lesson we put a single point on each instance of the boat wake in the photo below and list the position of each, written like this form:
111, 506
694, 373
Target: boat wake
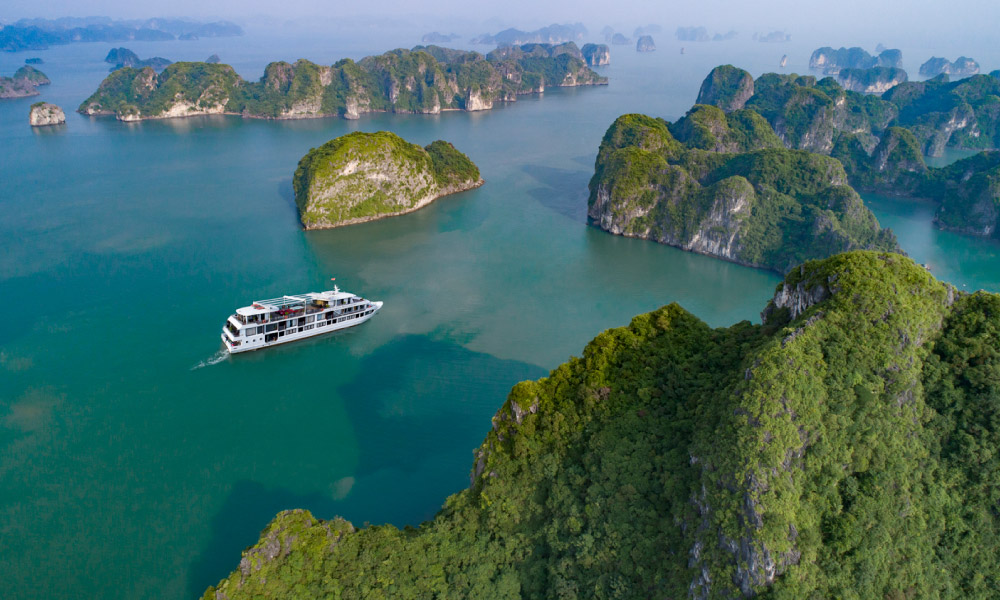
215, 359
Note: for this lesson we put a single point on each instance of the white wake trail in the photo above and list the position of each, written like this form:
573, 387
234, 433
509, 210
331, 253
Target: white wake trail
215, 359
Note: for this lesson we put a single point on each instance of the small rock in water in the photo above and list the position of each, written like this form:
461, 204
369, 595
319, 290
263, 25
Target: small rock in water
44, 113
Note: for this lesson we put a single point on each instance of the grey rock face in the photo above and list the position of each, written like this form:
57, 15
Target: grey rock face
727, 87
43, 113
645, 44
596, 55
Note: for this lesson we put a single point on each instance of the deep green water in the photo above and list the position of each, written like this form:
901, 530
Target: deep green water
134, 467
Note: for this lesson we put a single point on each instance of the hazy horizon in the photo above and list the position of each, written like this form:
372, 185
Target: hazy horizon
886, 21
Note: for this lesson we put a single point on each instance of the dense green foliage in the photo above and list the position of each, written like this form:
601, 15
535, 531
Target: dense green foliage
725, 185
360, 176
881, 141
424, 80
846, 451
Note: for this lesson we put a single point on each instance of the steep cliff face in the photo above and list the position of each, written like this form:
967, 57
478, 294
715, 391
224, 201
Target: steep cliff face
43, 113
969, 194
182, 90
833, 451
596, 55
962, 67
426, 80
365, 176
727, 192
727, 87
876, 80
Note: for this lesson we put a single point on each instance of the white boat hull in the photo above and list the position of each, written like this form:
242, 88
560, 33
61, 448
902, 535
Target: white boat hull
292, 334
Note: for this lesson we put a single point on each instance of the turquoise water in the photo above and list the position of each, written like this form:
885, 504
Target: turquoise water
135, 463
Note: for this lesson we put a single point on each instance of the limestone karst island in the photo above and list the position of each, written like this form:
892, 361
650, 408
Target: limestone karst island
366, 176
513, 300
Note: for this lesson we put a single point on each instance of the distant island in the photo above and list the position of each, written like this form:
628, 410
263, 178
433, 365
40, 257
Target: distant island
439, 38
646, 30
33, 61
881, 142
844, 447
645, 44
427, 79
552, 34
24, 83
123, 57
596, 55
39, 34
832, 61
724, 185
366, 176
962, 67
619, 39
874, 80
774, 37
692, 34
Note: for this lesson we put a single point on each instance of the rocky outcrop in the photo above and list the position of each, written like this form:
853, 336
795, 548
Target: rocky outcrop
648, 185
123, 57
832, 61
16, 88
727, 87
876, 80
23, 83
619, 39
596, 55
213, 60
43, 113
366, 176
32, 76
426, 80
962, 67
645, 44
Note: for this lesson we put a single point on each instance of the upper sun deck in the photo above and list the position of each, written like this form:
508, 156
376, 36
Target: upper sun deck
311, 302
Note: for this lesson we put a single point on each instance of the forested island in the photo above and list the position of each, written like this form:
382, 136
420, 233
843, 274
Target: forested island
725, 185
881, 141
427, 79
39, 34
846, 447
361, 177
23, 83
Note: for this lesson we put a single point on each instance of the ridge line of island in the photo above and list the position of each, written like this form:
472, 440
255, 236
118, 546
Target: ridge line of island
424, 80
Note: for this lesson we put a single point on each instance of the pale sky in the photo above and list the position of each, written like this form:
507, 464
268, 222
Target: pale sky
888, 17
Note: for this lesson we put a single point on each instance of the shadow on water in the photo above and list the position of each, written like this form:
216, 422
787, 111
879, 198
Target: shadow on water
413, 389
246, 511
287, 193
418, 406
564, 190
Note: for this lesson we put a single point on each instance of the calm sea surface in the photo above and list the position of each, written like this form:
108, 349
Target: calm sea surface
136, 462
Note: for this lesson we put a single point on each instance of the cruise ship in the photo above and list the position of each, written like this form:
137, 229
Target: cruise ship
289, 318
